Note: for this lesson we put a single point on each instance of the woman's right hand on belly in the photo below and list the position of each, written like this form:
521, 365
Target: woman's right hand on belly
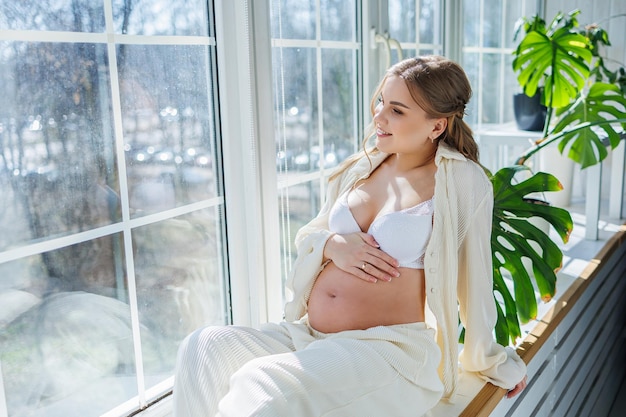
359, 255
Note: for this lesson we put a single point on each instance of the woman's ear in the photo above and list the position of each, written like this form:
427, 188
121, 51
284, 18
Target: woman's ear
439, 127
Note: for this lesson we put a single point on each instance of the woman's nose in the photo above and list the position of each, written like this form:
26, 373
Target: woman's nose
378, 113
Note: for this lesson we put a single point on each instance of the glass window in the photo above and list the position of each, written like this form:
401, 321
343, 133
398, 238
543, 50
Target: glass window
160, 17
417, 25
491, 26
293, 19
112, 213
337, 20
61, 15
168, 138
488, 30
309, 78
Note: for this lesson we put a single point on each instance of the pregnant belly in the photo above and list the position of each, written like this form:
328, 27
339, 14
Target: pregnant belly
341, 301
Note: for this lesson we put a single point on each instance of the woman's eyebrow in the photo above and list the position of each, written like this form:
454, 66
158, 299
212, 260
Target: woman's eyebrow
397, 103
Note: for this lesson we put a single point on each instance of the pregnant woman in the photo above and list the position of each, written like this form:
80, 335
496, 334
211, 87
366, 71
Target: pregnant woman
405, 230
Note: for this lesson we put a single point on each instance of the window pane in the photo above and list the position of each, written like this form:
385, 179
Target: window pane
430, 15
61, 15
511, 87
471, 22
293, 19
180, 284
402, 20
57, 160
66, 345
492, 25
296, 108
493, 82
339, 96
407, 15
337, 20
492, 94
167, 132
161, 17
512, 13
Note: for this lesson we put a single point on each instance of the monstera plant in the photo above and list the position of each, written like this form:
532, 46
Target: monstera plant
586, 111
583, 97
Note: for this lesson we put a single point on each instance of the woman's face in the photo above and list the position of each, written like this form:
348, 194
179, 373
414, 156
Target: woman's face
401, 125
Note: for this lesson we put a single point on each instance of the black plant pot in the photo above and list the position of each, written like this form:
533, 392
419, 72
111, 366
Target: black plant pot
530, 114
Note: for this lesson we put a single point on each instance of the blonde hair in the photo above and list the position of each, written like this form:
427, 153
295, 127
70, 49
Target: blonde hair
441, 88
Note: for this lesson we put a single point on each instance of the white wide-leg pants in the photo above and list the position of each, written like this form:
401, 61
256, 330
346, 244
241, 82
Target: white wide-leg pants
290, 369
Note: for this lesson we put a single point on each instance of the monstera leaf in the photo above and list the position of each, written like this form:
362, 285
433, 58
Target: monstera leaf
514, 238
603, 103
556, 58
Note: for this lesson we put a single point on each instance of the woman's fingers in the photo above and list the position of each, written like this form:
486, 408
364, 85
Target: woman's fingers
365, 274
517, 389
382, 267
359, 254
369, 272
377, 262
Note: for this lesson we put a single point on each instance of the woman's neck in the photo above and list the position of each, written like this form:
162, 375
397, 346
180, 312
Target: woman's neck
407, 162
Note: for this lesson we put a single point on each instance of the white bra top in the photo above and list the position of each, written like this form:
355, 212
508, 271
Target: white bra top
402, 234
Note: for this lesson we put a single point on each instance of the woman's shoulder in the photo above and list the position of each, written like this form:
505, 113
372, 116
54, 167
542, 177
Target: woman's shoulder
466, 170
469, 183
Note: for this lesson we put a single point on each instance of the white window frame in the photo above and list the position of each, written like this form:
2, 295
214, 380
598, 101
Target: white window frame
245, 80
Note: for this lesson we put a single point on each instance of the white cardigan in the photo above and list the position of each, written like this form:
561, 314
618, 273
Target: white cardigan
457, 266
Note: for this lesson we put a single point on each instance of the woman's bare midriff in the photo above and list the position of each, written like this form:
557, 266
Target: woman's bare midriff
341, 301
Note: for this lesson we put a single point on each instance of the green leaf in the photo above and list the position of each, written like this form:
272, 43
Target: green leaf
514, 238
507, 326
603, 102
558, 59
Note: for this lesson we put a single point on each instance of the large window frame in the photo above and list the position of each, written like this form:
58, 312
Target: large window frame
110, 39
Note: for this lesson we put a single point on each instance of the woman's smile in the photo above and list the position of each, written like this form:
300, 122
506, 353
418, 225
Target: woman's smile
382, 133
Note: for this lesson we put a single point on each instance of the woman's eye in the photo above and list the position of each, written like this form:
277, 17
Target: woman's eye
397, 111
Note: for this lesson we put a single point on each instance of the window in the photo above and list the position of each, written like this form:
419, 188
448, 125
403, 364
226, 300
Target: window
417, 25
488, 30
316, 58
112, 199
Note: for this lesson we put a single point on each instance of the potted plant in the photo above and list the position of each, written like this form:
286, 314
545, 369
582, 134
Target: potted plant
585, 100
585, 111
